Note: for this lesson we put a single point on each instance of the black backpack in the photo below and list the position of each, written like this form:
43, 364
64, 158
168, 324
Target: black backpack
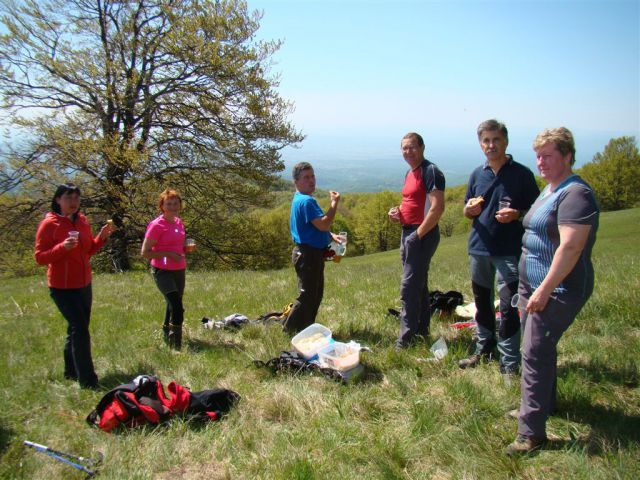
445, 302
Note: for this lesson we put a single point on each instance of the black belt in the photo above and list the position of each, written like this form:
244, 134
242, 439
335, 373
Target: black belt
410, 226
305, 245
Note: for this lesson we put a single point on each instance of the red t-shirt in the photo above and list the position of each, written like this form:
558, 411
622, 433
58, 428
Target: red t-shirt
415, 202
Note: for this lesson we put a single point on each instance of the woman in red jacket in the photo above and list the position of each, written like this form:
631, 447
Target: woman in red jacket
64, 242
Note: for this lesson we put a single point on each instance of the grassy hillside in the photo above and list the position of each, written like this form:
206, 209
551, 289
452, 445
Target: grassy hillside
405, 418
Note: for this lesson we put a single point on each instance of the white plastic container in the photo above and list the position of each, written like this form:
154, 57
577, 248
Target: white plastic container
310, 340
340, 356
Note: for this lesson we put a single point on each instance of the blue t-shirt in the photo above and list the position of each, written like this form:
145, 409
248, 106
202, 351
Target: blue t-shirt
571, 203
304, 209
515, 183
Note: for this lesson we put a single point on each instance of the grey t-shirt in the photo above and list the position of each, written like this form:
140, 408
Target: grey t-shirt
572, 202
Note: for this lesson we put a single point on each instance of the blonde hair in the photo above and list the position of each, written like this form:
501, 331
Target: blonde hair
562, 139
168, 193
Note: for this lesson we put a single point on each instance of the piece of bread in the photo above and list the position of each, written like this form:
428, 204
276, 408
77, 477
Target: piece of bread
475, 201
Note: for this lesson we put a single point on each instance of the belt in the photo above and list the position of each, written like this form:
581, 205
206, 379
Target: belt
410, 226
305, 245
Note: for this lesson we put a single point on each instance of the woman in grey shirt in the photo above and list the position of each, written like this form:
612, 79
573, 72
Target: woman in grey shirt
556, 277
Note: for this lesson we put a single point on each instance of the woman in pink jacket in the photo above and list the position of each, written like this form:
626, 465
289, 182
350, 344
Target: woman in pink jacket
65, 243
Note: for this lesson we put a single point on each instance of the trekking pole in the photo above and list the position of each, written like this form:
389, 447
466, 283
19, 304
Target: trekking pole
67, 457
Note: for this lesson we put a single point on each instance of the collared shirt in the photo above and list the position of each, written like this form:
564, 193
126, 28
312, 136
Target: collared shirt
514, 183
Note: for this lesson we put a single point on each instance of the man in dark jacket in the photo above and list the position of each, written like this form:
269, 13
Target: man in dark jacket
498, 194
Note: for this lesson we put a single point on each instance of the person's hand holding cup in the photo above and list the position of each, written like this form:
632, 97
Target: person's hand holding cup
72, 240
504, 214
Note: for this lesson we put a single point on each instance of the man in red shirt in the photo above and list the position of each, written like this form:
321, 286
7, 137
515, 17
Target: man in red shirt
421, 209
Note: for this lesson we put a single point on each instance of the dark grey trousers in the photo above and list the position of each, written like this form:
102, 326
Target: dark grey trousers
542, 332
309, 264
415, 254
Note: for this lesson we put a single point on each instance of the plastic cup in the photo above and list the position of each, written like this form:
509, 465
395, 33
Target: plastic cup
337, 258
74, 234
343, 237
439, 349
518, 301
502, 204
190, 245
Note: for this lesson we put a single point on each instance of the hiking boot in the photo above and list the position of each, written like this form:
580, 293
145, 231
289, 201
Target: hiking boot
175, 337
165, 333
523, 445
474, 360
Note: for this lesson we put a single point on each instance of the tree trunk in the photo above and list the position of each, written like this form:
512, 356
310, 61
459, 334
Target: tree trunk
119, 251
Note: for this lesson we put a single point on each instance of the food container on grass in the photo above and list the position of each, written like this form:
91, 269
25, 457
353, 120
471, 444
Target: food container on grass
310, 340
340, 356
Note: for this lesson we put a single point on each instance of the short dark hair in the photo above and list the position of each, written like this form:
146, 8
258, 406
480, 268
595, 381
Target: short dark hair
415, 135
298, 168
60, 191
491, 126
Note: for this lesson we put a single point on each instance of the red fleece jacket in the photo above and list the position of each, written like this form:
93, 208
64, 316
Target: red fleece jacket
67, 268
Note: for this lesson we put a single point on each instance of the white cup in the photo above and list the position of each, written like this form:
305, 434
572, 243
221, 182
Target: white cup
74, 234
502, 204
518, 301
343, 237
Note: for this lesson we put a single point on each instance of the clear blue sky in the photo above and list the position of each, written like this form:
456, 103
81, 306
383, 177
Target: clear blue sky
363, 73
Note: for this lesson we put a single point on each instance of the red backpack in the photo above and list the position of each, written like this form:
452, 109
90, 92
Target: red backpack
144, 401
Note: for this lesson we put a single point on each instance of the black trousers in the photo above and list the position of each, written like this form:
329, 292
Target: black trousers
171, 284
75, 306
309, 264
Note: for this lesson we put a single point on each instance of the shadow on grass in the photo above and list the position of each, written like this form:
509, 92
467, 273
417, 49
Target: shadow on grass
611, 429
609, 425
370, 375
365, 336
5, 436
597, 372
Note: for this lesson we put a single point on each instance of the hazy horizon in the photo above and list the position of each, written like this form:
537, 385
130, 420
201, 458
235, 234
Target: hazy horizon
356, 163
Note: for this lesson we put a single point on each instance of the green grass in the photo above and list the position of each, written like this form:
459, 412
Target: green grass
404, 418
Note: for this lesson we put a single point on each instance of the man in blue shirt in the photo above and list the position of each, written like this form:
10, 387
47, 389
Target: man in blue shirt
310, 231
498, 194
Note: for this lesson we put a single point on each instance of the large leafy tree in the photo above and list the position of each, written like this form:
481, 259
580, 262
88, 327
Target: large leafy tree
127, 97
614, 174
373, 229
